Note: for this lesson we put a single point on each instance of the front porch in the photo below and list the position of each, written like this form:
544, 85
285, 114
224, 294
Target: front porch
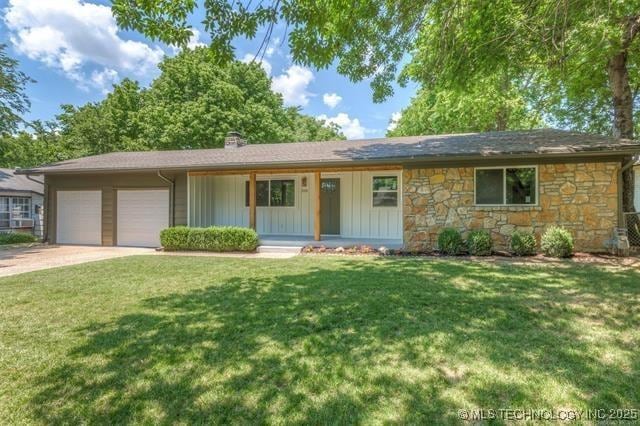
296, 207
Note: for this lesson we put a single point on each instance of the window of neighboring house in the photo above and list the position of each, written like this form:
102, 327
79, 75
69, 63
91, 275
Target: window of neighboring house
5, 214
20, 208
273, 193
506, 186
14, 208
385, 191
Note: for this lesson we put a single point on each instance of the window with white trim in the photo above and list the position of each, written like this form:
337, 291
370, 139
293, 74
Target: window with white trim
511, 186
273, 193
20, 208
14, 208
385, 191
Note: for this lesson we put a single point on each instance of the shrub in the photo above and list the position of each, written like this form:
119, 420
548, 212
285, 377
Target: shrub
557, 242
215, 238
479, 243
450, 241
523, 243
16, 238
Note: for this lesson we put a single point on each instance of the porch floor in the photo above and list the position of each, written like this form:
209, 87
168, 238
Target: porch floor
329, 241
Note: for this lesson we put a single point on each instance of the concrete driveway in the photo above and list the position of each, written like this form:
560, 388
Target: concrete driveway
25, 259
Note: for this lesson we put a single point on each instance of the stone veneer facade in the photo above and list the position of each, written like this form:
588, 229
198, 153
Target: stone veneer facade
581, 197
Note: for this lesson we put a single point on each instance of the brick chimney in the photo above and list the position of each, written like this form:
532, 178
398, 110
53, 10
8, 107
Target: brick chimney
234, 140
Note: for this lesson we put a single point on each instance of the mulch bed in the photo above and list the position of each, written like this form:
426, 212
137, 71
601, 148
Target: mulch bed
497, 257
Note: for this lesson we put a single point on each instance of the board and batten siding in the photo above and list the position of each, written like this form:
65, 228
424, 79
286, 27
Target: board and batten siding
358, 217
220, 200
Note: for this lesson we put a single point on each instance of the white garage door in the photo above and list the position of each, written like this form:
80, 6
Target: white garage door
142, 214
79, 217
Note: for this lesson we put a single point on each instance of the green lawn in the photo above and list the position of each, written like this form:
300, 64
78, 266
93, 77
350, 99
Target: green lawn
313, 340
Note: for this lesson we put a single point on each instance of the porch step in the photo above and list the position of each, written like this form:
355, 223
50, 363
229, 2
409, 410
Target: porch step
279, 249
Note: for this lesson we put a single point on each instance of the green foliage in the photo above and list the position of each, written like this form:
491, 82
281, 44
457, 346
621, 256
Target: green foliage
479, 243
110, 125
13, 100
483, 107
41, 145
215, 238
16, 238
523, 243
450, 242
557, 242
194, 103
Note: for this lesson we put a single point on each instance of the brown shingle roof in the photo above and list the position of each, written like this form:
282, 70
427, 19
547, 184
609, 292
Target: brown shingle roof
384, 150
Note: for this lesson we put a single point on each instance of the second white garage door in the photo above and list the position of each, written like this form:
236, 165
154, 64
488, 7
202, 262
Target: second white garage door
142, 214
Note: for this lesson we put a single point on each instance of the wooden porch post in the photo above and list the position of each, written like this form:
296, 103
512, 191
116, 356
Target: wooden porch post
316, 221
252, 200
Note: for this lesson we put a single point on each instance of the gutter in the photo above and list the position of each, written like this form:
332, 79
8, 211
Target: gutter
172, 200
625, 166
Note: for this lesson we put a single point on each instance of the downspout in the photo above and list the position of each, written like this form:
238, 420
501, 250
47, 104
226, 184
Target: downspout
624, 168
172, 197
45, 207
34, 180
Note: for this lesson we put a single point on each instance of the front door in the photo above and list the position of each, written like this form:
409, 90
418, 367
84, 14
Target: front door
330, 206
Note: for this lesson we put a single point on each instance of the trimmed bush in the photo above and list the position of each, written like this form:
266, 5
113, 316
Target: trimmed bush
557, 242
450, 242
523, 243
16, 238
215, 238
479, 243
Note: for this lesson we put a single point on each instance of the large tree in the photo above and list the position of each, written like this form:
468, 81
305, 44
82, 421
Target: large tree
482, 107
193, 103
13, 100
587, 48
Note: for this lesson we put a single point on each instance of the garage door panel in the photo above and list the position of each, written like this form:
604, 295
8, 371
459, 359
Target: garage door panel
141, 215
79, 217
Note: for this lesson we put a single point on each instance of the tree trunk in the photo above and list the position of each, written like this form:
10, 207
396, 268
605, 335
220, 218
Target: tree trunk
623, 127
622, 114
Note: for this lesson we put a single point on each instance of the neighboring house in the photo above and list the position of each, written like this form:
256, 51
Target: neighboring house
21, 203
393, 191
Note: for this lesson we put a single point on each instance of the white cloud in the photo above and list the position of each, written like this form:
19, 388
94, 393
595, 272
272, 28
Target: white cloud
104, 79
351, 128
266, 66
273, 47
331, 99
69, 34
293, 85
194, 40
393, 123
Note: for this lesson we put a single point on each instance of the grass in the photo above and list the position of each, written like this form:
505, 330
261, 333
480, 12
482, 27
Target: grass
155, 339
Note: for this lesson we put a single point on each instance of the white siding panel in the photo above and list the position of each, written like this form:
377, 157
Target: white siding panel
359, 219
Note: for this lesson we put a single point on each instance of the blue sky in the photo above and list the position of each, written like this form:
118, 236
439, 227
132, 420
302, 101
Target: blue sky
75, 53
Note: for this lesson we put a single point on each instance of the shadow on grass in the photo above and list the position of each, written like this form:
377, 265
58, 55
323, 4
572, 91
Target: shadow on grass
400, 341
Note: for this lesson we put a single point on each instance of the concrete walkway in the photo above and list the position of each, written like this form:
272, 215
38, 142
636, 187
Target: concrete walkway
17, 260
